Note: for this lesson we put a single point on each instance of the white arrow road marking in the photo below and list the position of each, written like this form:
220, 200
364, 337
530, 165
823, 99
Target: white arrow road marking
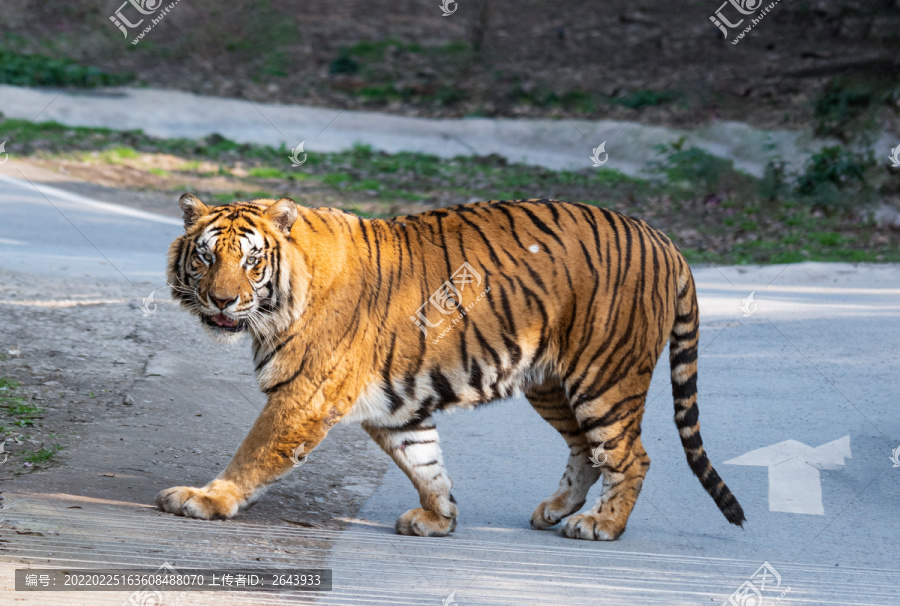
794, 482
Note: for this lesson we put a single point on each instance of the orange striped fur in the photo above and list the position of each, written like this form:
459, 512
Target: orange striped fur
385, 322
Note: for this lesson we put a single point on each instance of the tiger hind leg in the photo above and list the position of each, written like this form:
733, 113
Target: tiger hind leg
550, 401
416, 450
612, 422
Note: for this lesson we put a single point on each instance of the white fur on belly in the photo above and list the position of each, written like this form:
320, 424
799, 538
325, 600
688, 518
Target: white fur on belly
372, 406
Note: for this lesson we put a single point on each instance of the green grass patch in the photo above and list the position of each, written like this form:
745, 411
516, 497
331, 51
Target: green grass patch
37, 70
16, 406
351, 58
640, 99
836, 179
42, 455
848, 106
277, 63
261, 35
692, 171
343, 64
118, 155
380, 93
266, 173
829, 238
839, 104
337, 179
381, 64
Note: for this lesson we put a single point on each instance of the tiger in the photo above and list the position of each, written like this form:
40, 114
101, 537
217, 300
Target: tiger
385, 322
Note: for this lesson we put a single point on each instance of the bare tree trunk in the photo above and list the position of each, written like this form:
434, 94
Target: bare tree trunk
479, 25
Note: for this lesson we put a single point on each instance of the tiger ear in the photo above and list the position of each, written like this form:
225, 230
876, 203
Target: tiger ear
193, 209
283, 214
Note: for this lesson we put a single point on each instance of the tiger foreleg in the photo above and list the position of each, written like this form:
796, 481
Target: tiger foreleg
281, 435
416, 450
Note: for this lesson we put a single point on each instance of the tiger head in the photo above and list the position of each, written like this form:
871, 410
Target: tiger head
225, 267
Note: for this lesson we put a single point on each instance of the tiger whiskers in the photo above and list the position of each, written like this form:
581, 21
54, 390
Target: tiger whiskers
262, 329
182, 287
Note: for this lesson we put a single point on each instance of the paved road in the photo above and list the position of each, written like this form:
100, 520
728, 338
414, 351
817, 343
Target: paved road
46, 230
556, 144
812, 361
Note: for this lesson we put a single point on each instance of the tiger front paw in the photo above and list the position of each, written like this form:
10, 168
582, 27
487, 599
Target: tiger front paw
216, 501
420, 522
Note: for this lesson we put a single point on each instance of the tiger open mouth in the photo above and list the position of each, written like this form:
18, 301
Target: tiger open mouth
223, 322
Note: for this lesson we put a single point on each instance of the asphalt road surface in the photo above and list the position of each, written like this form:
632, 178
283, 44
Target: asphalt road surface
798, 391
46, 230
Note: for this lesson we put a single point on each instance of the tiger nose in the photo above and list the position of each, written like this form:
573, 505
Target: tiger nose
222, 303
